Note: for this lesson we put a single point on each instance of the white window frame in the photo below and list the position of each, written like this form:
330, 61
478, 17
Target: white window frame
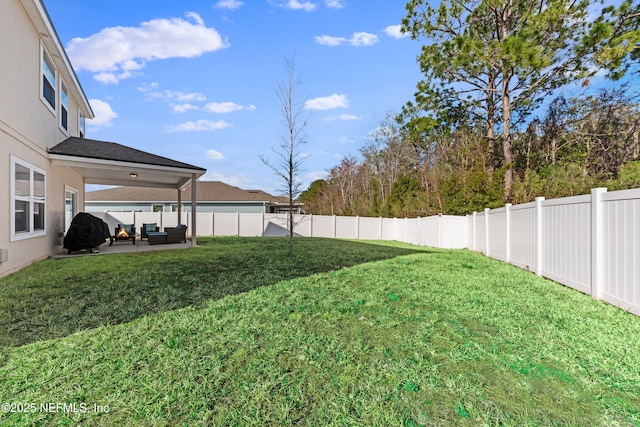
74, 207
31, 199
43, 54
81, 125
63, 89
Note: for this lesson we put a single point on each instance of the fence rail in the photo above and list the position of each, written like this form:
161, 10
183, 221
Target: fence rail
590, 243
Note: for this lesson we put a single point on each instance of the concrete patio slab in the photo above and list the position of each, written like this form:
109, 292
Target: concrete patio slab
121, 248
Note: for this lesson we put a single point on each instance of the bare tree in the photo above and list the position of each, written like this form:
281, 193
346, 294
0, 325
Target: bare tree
295, 120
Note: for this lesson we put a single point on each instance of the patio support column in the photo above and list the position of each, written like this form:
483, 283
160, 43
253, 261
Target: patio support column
179, 205
193, 210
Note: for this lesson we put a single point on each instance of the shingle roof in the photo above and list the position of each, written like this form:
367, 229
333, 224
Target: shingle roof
93, 149
206, 191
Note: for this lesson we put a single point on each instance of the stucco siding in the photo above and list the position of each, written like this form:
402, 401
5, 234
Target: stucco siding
21, 107
28, 128
23, 252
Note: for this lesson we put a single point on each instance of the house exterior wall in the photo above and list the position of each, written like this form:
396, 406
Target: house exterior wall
28, 127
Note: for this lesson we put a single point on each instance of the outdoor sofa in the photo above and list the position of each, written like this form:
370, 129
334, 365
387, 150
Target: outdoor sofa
169, 235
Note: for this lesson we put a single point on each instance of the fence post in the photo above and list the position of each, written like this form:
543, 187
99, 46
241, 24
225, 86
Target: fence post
311, 225
440, 230
597, 242
237, 223
380, 228
486, 231
539, 236
507, 215
473, 236
334, 226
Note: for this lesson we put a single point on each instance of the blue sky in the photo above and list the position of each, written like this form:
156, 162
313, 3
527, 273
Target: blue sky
196, 80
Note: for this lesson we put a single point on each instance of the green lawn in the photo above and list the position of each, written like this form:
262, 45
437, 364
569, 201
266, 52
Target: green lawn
346, 333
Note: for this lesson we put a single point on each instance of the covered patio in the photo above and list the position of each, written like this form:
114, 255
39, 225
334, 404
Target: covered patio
123, 248
109, 163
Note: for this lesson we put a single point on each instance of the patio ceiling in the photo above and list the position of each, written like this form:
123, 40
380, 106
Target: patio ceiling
108, 163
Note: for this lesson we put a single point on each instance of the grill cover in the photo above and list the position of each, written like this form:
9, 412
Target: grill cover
86, 232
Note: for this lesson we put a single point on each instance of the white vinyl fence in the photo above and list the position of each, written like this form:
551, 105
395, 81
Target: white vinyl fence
590, 243
442, 231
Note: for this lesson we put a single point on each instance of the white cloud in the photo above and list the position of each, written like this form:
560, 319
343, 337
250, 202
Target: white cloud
116, 53
213, 154
228, 4
363, 39
182, 102
103, 113
198, 125
148, 87
184, 96
327, 102
334, 4
341, 117
330, 40
358, 39
183, 108
222, 107
294, 5
179, 101
395, 32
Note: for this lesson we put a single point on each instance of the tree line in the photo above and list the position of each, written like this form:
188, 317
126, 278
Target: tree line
480, 130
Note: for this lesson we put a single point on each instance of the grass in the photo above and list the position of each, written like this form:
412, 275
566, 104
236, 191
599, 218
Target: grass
347, 333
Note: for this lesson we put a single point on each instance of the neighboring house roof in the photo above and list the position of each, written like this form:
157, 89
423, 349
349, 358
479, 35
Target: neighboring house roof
92, 149
206, 191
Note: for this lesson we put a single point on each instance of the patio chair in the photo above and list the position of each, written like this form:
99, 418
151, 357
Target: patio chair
148, 228
176, 234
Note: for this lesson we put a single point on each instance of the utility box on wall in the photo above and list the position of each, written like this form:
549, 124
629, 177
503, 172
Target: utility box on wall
4, 255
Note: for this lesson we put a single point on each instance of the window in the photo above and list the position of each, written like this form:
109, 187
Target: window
64, 107
28, 200
158, 208
70, 205
48, 91
80, 124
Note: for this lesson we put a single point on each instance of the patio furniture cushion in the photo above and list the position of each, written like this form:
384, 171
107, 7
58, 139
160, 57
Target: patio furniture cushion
157, 237
148, 228
176, 234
